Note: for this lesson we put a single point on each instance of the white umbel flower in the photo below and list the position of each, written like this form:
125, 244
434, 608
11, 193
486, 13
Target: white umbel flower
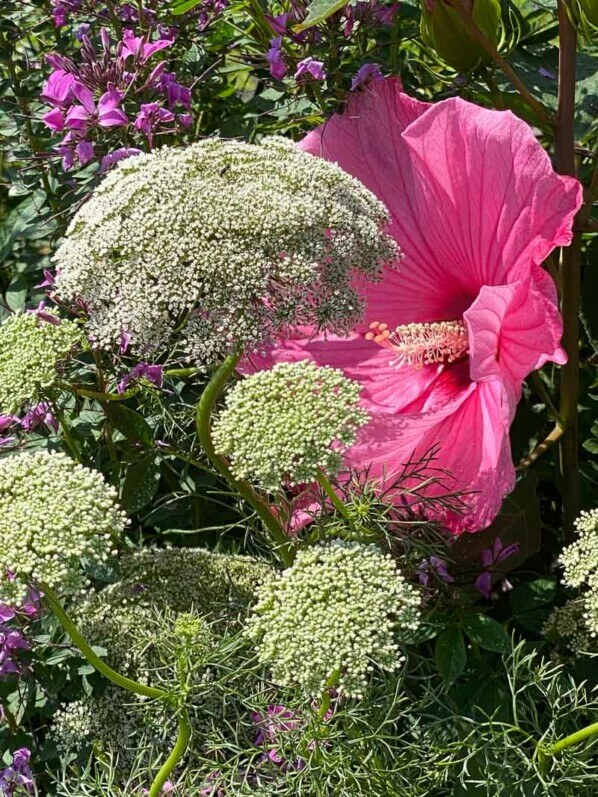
339, 609
233, 241
53, 514
285, 423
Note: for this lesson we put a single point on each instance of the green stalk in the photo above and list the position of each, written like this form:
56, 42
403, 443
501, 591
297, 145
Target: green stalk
336, 502
203, 426
546, 752
178, 751
68, 437
184, 732
570, 273
96, 662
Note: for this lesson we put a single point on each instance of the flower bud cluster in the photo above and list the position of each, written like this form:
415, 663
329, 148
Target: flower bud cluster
580, 559
567, 625
239, 241
285, 423
580, 569
31, 349
53, 514
180, 599
332, 617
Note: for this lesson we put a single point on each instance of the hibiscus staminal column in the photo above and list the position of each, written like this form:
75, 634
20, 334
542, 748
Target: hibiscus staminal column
422, 344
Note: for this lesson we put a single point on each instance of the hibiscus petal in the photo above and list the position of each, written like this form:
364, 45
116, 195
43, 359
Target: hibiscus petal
473, 448
473, 197
513, 330
500, 206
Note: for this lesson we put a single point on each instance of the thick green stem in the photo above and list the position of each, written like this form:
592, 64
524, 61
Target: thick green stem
178, 751
336, 502
570, 274
203, 426
546, 752
95, 661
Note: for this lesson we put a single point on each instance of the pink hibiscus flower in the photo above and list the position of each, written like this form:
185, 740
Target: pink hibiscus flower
475, 207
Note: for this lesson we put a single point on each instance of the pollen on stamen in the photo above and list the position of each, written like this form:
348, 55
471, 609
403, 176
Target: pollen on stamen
421, 344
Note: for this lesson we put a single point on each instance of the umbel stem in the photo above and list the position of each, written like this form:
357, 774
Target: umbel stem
546, 752
203, 426
184, 731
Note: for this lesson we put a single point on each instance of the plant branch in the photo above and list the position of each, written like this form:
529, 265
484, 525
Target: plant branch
550, 440
203, 417
570, 272
331, 494
478, 35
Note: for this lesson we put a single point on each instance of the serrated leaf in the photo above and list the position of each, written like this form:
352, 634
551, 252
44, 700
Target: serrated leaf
450, 654
487, 633
318, 11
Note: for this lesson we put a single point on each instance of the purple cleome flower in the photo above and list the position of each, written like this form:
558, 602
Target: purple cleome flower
310, 68
491, 557
368, 73
17, 777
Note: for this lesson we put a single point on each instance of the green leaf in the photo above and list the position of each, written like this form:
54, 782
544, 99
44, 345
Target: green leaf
531, 603
318, 11
16, 293
591, 445
450, 654
182, 6
132, 425
141, 483
487, 633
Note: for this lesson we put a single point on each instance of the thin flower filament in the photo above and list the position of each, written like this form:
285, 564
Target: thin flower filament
417, 345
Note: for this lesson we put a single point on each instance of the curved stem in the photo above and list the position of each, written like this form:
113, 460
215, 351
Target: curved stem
336, 502
95, 661
203, 416
178, 751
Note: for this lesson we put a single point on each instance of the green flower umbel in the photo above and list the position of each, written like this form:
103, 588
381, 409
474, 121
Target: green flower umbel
31, 349
332, 616
53, 513
285, 423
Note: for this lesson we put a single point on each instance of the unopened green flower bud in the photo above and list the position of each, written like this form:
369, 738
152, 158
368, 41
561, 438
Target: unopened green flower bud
444, 29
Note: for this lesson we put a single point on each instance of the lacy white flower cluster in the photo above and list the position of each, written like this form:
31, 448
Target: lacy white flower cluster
53, 513
31, 349
285, 423
333, 616
236, 241
577, 621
